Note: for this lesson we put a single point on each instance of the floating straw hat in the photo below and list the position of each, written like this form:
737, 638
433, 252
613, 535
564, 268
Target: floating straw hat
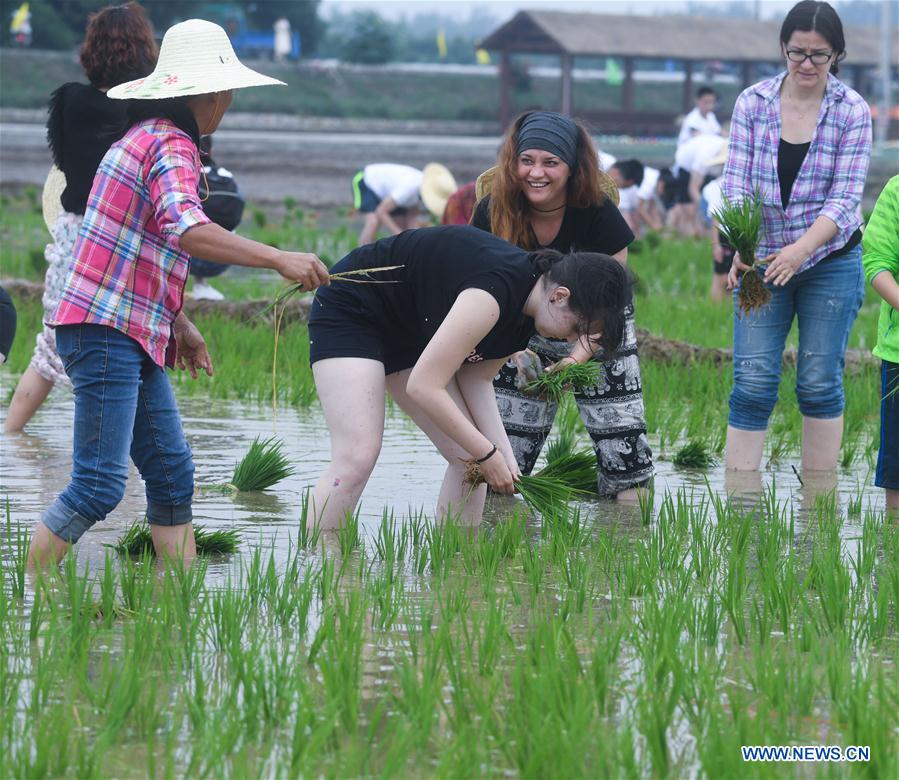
484, 184
51, 197
437, 185
195, 58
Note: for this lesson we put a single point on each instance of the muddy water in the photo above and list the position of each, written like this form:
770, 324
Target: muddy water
35, 466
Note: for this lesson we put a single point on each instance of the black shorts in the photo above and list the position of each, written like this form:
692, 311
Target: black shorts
339, 328
365, 199
724, 266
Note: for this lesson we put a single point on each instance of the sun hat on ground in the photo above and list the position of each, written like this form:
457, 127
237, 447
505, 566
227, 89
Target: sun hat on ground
485, 183
437, 184
51, 197
195, 58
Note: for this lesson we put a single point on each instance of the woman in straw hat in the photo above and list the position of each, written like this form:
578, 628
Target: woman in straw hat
118, 46
547, 190
119, 322
457, 302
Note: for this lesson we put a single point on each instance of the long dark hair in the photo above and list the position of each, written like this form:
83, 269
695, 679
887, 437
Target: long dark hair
600, 290
175, 109
819, 17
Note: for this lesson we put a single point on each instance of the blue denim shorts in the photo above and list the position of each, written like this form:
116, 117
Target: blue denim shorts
887, 474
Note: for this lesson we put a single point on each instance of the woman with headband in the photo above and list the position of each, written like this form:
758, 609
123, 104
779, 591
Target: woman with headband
547, 191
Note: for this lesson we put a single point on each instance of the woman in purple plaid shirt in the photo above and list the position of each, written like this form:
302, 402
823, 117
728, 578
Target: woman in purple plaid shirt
802, 140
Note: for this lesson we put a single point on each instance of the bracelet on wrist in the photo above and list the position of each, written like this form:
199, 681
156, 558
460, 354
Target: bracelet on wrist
487, 456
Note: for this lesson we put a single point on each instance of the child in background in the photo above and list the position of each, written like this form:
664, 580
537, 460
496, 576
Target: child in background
881, 260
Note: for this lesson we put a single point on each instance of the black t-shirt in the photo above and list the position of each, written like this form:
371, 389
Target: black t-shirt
82, 124
438, 263
593, 229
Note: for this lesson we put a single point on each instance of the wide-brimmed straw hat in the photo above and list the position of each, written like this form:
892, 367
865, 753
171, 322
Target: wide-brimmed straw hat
437, 185
51, 197
720, 158
195, 58
484, 184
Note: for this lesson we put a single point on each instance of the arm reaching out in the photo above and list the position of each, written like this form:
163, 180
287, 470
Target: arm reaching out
472, 316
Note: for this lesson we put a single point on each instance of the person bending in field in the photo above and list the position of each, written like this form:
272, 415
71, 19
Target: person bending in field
433, 334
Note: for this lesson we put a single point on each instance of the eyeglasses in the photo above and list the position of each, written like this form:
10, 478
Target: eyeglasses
817, 57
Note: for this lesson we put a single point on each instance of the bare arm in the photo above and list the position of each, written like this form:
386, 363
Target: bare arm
213, 242
476, 384
472, 316
887, 288
382, 212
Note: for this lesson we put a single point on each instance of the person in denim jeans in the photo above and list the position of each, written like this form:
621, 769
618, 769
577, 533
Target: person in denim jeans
119, 322
802, 142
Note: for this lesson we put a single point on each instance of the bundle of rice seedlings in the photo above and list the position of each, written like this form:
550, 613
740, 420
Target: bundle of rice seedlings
138, 541
553, 385
542, 493
741, 224
694, 455
358, 276
264, 465
575, 469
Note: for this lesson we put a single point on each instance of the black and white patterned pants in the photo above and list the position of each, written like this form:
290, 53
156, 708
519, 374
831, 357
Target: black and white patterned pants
612, 411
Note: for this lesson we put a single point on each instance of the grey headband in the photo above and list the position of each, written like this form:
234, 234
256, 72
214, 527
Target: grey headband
550, 132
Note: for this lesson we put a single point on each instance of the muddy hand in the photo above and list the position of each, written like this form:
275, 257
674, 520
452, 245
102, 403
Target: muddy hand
736, 269
529, 368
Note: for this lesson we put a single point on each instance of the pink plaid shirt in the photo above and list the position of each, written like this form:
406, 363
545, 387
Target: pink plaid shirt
832, 176
129, 270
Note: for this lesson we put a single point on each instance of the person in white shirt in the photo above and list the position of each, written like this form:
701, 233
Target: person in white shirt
701, 120
722, 253
692, 164
638, 202
389, 195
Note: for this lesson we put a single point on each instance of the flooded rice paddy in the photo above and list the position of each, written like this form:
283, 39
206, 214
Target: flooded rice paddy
605, 641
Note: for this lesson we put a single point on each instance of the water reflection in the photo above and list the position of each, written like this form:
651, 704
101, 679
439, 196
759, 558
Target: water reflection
36, 465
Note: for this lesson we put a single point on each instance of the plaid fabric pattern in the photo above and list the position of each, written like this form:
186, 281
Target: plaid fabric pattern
831, 178
129, 270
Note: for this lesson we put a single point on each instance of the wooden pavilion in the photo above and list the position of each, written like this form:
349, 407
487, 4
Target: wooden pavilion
688, 40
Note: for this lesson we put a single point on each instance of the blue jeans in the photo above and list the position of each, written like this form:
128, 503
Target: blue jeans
825, 299
124, 405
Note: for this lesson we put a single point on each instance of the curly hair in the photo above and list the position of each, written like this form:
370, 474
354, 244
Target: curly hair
509, 207
118, 46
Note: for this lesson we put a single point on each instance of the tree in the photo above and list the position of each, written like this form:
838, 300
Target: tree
372, 40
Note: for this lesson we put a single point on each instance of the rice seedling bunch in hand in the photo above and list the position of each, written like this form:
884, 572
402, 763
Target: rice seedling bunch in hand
357, 276
741, 225
264, 465
575, 469
553, 385
138, 540
544, 494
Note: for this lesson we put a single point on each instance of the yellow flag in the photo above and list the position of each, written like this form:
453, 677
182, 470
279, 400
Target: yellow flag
19, 18
482, 57
441, 44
